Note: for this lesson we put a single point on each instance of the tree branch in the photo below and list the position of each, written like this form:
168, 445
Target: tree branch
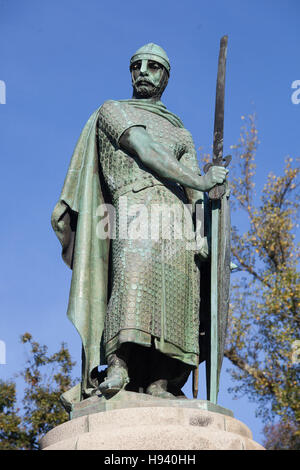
252, 371
249, 268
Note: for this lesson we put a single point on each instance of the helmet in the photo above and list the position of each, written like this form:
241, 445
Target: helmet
152, 52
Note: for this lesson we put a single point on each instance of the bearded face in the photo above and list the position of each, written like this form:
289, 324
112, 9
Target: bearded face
149, 79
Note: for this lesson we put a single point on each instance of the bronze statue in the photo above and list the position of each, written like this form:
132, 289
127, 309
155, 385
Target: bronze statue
135, 301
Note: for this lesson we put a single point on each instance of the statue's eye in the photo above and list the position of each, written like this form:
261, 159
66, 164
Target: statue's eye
136, 66
154, 65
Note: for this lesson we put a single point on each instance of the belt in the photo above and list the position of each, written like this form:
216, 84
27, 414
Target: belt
135, 187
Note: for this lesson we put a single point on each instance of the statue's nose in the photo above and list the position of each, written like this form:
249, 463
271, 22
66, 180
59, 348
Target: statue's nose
144, 68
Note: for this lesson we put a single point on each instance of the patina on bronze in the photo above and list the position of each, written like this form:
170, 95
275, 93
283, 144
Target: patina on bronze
218, 302
134, 302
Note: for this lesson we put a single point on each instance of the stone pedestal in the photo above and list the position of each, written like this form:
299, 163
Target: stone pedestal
141, 422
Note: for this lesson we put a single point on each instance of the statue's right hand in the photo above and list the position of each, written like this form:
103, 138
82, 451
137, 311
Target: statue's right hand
215, 175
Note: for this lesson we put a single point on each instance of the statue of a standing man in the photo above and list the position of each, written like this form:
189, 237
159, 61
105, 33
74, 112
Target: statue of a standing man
135, 302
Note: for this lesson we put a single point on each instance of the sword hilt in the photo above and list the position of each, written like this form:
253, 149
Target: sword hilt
219, 190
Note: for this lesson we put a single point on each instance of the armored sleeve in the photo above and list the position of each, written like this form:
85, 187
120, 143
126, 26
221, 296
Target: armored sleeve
115, 118
189, 159
196, 198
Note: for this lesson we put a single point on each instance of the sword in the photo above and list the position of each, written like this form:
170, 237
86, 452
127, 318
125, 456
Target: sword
215, 194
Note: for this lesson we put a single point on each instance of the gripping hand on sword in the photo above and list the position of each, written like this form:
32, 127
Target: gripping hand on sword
215, 175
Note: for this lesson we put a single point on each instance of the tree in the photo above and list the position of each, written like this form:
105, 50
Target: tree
46, 378
281, 436
263, 334
12, 435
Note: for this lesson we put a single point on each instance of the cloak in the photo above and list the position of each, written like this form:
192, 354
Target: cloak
74, 221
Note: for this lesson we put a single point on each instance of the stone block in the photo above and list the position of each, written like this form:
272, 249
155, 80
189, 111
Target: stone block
151, 428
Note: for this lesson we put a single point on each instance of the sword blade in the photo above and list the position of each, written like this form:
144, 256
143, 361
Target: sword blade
219, 106
219, 190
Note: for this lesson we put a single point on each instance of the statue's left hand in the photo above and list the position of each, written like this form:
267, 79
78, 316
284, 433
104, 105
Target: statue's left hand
202, 249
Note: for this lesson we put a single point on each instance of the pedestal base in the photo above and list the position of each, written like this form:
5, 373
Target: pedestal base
125, 399
151, 427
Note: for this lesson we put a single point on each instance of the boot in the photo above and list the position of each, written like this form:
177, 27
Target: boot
159, 389
117, 376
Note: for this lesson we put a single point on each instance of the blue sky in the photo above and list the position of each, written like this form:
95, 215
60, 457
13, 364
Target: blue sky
60, 60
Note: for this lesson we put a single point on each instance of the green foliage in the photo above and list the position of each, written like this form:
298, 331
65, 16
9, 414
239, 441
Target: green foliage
264, 318
12, 434
46, 378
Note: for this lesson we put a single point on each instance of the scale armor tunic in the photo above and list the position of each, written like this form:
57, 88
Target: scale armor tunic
154, 294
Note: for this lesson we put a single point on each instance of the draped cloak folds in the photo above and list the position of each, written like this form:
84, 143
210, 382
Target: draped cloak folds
74, 221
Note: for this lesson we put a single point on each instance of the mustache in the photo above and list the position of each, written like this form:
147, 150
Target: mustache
144, 80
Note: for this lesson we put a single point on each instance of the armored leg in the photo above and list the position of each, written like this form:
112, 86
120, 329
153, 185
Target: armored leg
159, 389
167, 376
